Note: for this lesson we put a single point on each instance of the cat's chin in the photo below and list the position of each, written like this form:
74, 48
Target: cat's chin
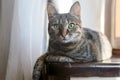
66, 42
71, 40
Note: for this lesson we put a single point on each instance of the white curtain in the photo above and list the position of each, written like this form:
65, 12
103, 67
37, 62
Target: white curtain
23, 33
28, 38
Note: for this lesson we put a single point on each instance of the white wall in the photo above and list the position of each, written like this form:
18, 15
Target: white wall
92, 12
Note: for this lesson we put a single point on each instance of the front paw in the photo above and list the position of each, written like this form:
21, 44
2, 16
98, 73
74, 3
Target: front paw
58, 59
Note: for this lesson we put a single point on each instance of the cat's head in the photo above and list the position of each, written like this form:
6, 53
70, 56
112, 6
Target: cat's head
64, 28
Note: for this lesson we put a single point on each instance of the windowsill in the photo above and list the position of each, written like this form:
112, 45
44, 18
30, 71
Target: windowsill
107, 68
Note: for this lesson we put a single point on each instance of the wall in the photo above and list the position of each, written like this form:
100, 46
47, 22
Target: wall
116, 25
108, 17
92, 12
117, 28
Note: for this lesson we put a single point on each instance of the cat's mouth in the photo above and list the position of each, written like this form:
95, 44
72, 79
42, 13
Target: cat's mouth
63, 39
67, 41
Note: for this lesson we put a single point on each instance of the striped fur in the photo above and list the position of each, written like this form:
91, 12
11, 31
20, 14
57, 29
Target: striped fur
72, 45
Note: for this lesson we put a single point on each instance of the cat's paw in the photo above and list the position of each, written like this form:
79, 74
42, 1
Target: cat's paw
52, 58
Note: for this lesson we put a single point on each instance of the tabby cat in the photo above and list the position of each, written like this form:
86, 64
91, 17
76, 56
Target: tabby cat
70, 42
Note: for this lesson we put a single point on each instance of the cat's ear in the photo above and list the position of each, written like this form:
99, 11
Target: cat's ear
52, 11
75, 10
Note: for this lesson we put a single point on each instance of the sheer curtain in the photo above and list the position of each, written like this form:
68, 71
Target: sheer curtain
23, 33
28, 38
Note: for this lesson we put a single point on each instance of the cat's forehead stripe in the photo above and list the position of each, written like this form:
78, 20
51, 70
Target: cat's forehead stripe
67, 17
63, 18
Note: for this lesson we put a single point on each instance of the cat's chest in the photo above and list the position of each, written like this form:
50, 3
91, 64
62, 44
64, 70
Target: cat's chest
71, 50
83, 52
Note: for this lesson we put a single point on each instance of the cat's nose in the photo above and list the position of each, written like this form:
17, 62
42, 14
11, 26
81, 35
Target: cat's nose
64, 33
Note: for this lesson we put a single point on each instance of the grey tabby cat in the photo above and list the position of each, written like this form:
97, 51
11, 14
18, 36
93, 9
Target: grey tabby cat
69, 42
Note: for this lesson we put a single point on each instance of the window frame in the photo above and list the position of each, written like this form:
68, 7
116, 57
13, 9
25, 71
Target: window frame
114, 39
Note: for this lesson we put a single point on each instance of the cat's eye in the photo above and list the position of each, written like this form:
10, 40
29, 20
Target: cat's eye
71, 25
56, 26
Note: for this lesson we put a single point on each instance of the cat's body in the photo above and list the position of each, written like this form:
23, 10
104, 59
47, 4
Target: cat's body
93, 46
69, 42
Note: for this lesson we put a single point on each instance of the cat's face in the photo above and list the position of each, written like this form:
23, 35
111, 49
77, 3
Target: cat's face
64, 28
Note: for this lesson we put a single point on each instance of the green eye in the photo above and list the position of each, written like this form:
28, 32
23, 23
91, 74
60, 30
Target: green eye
56, 26
71, 26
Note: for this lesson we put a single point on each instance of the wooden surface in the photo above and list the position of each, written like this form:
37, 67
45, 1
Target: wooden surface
107, 68
116, 52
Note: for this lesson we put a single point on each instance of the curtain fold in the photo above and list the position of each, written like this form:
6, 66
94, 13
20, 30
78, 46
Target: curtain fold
28, 38
6, 15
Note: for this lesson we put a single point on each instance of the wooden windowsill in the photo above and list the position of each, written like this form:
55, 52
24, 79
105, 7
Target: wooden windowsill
116, 51
107, 68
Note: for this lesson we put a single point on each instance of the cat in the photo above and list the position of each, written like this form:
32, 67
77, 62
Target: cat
70, 42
